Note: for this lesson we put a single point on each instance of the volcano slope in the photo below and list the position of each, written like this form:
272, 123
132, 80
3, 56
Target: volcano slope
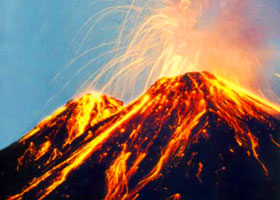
189, 137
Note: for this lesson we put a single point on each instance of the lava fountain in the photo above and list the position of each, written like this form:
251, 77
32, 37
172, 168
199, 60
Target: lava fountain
165, 38
191, 136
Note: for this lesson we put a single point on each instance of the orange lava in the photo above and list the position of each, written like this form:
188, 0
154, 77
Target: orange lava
191, 97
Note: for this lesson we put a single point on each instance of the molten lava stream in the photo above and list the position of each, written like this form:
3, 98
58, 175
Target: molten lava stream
165, 122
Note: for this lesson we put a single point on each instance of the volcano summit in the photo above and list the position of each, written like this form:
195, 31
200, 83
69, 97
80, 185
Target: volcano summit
192, 137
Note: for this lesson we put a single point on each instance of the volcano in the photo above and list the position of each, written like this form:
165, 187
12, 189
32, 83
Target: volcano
193, 137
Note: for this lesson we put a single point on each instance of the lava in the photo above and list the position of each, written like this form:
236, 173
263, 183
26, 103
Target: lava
166, 38
141, 142
75, 117
191, 136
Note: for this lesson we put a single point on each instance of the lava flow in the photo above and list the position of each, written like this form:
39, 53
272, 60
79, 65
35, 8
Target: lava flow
194, 136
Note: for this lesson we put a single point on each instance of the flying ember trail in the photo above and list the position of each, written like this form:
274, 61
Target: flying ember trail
166, 38
186, 135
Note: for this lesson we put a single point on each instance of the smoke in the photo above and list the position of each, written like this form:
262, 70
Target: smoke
234, 39
236, 42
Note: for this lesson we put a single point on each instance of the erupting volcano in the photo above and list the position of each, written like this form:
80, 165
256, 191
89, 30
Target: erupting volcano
194, 136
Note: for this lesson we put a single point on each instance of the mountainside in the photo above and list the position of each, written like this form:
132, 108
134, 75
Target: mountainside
189, 137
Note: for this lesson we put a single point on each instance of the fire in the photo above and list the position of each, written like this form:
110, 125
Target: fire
34, 152
200, 167
184, 103
167, 38
76, 116
175, 197
63, 169
174, 37
117, 178
89, 109
43, 123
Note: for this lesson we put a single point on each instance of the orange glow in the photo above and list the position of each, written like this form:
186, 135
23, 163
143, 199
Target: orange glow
171, 37
255, 144
34, 153
54, 155
30, 150
81, 115
274, 142
117, 179
203, 94
63, 169
175, 197
42, 150
43, 123
85, 111
175, 37
90, 109
200, 167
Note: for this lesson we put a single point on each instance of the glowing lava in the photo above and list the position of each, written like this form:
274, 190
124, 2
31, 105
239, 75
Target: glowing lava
195, 127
